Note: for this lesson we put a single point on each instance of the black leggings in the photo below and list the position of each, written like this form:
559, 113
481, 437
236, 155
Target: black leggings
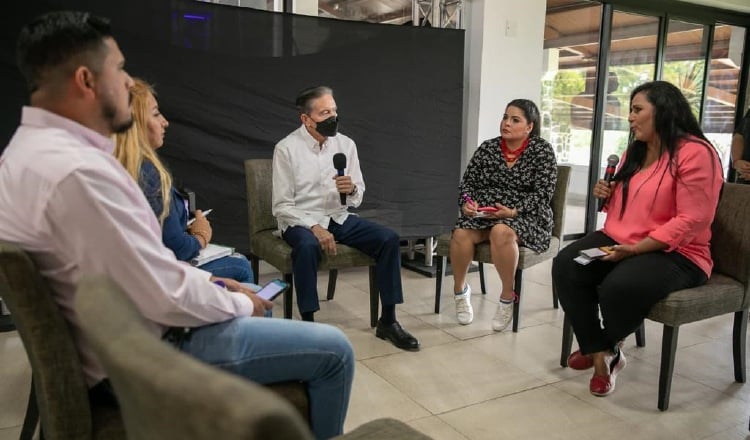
624, 291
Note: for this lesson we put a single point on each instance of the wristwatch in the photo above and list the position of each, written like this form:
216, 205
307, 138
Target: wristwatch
354, 191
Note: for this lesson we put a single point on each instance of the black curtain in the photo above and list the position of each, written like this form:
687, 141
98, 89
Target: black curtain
226, 79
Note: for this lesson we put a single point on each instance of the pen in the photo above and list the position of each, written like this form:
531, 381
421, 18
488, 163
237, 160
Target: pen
205, 214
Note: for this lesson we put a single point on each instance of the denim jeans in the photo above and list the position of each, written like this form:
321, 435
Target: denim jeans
269, 351
377, 241
235, 267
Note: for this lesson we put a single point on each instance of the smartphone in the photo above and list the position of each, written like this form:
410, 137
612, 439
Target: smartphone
273, 289
595, 253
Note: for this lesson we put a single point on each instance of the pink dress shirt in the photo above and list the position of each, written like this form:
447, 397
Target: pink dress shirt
677, 211
67, 201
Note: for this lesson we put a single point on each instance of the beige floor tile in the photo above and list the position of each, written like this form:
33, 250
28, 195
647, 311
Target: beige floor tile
535, 350
436, 428
11, 433
738, 432
373, 397
367, 345
695, 410
711, 364
451, 376
544, 413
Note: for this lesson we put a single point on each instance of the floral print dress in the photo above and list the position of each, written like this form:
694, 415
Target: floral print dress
527, 186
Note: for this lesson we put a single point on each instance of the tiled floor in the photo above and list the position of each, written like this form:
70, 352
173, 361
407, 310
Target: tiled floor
468, 382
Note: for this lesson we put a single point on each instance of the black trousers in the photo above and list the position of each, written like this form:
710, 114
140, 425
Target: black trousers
624, 291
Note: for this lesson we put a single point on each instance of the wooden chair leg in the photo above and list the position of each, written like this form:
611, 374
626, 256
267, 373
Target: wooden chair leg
668, 350
255, 265
332, 275
31, 420
288, 295
640, 335
517, 304
567, 342
482, 280
439, 279
739, 338
374, 297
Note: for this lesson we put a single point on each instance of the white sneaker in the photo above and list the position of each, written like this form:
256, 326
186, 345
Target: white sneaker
503, 316
464, 311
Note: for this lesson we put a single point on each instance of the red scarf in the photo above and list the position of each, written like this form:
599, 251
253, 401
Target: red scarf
512, 156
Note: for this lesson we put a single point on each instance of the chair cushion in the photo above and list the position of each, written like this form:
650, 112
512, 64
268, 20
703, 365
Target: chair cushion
278, 254
720, 295
526, 257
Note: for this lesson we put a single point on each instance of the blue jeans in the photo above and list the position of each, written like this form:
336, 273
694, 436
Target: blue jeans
235, 267
270, 351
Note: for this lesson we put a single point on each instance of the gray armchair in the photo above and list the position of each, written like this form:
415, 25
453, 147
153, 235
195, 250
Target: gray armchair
165, 394
526, 257
265, 245
725, 292
58, 390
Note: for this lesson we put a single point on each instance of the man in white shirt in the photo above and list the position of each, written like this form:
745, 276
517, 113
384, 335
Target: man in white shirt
66, 201
310, 202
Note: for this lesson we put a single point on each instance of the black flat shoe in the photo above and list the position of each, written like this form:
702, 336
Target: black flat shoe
397, 335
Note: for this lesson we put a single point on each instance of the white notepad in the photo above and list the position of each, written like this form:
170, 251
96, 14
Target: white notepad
210, 253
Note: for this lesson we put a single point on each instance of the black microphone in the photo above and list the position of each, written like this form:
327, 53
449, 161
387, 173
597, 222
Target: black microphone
339, 162
609, 175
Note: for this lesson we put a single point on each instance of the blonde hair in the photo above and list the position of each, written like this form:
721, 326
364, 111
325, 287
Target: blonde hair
132, 146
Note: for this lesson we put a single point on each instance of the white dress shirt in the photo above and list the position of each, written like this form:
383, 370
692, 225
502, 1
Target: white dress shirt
66, 201
304, 191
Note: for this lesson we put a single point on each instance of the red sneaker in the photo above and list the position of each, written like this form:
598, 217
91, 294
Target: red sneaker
578, 361
604, 385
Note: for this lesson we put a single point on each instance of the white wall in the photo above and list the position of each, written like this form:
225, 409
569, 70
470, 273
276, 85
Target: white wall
306, 7
503, 61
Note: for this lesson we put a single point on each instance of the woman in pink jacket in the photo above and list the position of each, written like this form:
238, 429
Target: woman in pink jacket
657, 233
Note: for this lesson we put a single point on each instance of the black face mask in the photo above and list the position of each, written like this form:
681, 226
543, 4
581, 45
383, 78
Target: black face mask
328, 127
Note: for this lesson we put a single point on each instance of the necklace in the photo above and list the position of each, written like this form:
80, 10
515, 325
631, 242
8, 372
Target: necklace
512, 155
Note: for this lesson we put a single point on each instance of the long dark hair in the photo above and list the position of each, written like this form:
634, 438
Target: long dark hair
673, 122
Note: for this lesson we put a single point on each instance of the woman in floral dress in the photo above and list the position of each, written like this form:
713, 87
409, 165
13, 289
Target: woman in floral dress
515, 174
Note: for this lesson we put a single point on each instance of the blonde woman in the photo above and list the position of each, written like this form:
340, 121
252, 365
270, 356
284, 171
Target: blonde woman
136, 150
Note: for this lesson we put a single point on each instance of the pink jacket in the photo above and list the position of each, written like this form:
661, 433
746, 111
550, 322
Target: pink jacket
678, 210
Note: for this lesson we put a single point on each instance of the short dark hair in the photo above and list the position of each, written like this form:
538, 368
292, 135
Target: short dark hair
305, 97
531, 112
53, 39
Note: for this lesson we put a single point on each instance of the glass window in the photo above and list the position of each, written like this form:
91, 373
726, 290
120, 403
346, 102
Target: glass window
684, 61
727, 52
571, 51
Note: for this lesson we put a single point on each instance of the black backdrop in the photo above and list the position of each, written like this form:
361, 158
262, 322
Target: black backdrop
227, 77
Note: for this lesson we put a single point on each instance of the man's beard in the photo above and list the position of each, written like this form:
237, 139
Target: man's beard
110, 114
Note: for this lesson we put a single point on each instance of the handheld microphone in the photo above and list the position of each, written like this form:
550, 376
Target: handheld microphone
609, 175
339, 162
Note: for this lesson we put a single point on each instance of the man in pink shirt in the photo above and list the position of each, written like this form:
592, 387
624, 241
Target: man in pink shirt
66, 200
656, 237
